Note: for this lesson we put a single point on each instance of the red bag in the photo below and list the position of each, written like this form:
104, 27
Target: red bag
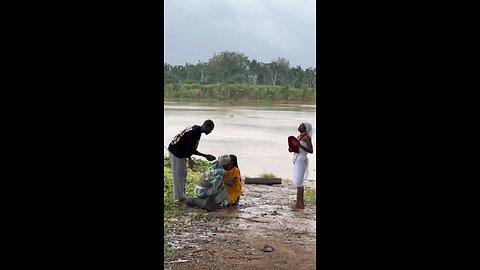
291, 140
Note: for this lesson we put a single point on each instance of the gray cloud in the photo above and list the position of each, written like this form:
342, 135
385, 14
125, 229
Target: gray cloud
261, 29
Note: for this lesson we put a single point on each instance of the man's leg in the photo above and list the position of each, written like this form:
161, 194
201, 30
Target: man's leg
179, 174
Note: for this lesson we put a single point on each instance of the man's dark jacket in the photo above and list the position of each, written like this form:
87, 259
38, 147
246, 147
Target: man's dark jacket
185, 144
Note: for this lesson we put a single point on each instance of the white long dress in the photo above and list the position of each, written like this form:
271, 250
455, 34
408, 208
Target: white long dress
300, 166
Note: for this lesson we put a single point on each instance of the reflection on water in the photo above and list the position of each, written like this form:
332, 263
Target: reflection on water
255, 132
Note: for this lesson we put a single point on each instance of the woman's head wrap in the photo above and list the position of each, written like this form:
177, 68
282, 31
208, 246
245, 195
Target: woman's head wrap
222, 160
308, 128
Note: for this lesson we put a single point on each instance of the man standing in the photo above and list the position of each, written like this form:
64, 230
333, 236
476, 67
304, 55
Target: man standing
183, 146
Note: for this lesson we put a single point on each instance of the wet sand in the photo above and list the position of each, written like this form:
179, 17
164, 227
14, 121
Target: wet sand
233, 238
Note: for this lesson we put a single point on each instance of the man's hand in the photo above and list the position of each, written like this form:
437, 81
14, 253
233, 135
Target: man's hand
210, 157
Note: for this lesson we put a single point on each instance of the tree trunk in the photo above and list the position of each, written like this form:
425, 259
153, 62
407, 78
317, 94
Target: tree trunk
253, 78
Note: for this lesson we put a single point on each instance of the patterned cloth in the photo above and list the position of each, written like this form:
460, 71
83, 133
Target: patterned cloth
210, 181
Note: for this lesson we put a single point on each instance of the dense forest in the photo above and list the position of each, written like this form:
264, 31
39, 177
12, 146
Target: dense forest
233, 75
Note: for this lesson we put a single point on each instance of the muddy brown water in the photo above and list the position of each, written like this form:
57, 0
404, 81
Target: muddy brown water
234, 238
255, 132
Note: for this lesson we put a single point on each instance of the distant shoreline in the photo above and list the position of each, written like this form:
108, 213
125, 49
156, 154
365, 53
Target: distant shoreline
249, 92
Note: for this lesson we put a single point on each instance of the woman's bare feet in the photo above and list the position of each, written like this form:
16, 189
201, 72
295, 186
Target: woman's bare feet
298, 207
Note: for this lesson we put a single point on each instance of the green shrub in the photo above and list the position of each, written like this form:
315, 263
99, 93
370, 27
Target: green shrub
267, 175
310, 195
231, 91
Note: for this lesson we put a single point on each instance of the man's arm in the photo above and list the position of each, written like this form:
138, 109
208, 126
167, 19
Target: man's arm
193, 143
207, 156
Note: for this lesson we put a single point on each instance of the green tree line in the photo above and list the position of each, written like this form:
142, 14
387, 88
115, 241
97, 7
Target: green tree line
231, 75
240, 92
236, 68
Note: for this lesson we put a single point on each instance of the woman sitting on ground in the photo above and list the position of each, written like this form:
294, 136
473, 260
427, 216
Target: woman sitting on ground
233, 182
211, 182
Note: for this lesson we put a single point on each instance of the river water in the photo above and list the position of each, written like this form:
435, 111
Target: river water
256, 132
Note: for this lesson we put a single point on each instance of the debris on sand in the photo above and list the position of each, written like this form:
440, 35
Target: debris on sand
267, 248
264, 181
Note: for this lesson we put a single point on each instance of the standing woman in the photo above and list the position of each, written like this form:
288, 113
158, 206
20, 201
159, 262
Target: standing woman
300, 161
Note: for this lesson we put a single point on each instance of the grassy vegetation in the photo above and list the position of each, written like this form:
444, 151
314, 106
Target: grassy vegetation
169, 254
267, 175
310, 195
201, 217
240, 91
171, 208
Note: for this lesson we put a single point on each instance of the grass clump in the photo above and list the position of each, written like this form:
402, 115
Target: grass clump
268, 175
201, 217
310, 195
169, 254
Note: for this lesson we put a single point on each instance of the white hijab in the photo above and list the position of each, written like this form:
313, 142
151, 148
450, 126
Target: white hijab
309, 129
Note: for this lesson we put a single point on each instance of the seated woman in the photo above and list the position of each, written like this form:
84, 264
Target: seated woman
233, 182
211, 182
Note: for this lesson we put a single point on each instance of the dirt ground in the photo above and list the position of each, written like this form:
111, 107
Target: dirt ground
234, 238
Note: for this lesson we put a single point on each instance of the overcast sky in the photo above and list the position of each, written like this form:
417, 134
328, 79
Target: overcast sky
261, 29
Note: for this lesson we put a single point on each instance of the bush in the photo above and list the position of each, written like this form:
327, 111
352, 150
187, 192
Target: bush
267, 175
170, 208
241, 91
310, 195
